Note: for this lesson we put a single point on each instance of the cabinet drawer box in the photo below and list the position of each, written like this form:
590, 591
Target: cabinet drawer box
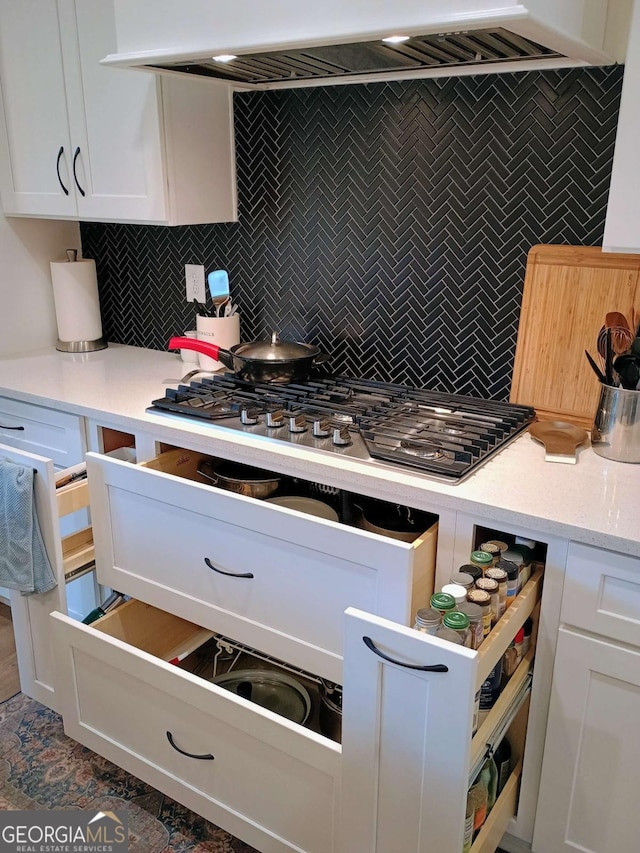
602, 593
274, 578
270, 782
46, 432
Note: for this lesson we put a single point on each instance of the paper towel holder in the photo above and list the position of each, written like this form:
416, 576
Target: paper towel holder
80, 346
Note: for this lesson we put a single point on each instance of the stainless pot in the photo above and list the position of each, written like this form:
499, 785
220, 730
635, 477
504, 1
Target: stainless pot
394, 520
241, 479
261, 361
330, 714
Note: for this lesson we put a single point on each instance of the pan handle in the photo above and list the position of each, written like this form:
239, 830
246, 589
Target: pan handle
204, 347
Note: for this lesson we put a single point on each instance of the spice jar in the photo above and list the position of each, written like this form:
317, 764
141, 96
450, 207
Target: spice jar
474, 612
492, 548
483, 600
458, 622
463, 579
449, 635
469, 569
481, 559
513, 575
443, 602
458, 592
427, 620
500, 576
491, 586
527, 562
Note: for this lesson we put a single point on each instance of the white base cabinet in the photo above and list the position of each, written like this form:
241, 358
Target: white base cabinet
591, 773
83, 141
591, 769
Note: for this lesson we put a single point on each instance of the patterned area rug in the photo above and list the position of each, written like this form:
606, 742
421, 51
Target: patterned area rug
42, 769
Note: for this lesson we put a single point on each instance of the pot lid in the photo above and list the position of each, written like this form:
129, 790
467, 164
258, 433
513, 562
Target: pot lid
270, 689
275, 350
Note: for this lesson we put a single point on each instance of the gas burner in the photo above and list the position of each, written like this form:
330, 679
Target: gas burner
444, 436
423, 451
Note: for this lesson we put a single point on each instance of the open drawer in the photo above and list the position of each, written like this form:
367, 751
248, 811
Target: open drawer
277, 579
261, 777
69, 556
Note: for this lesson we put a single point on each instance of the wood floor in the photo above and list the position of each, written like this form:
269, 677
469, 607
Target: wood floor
9, 681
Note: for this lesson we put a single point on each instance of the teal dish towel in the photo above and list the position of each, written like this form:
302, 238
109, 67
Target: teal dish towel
24, 564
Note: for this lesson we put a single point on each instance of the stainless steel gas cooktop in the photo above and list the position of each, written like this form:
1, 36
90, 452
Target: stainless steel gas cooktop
446, 436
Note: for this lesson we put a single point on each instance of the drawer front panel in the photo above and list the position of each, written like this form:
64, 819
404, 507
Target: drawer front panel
153, 546
602, 593
272, 785
56, 435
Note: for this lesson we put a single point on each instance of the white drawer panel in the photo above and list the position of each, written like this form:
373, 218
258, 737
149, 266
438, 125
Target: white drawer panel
602, 593
270, 783
153, 532
47, 432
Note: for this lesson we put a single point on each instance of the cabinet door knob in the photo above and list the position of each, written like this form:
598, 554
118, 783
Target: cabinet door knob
75, 176
60, 153
228, 574
6, 427
206, 757
436, 667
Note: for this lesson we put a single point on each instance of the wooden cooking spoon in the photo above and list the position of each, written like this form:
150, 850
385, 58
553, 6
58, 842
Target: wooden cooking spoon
621, 335
560, 440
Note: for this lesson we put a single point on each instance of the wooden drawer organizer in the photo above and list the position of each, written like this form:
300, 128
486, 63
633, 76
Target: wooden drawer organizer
78, 550
515, 696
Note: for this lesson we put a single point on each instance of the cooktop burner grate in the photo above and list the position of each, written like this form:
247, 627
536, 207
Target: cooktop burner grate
445, 435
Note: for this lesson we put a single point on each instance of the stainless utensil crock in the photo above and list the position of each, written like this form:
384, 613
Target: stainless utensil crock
616, 427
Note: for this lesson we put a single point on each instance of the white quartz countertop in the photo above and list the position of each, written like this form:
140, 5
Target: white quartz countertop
595, 501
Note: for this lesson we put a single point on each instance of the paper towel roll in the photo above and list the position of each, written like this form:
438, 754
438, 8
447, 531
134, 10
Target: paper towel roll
75, 295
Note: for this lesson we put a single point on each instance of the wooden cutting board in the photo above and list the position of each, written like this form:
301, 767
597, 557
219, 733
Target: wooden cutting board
567, 292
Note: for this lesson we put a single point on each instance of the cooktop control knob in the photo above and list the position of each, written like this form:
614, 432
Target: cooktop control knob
321, 428
275, 419
341, 436
297, 423
249, 416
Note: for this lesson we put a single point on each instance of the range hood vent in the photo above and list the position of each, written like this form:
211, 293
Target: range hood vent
456, 50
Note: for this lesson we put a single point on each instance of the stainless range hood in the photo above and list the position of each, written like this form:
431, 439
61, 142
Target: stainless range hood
268, 44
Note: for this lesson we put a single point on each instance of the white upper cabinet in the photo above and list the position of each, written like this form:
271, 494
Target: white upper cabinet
622, 227
83, 141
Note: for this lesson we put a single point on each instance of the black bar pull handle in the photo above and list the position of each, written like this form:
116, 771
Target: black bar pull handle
6, 427
75, 176
228, 574
60, 153
436, 667
206, 757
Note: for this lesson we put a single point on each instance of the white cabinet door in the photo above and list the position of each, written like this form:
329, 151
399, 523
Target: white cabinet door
591, 769
114, 120
406, 738
622, 226
36, 170
30, 614
84, 141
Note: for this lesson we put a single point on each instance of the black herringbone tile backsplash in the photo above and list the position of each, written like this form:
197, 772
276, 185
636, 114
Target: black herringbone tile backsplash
387, 223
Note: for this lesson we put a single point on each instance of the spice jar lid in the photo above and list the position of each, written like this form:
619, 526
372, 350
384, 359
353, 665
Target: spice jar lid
456, 620
496, 574
473, 611
490, 548
527, 553
502, 546
442, 601
448, 634
513, 556
463, 579
509, 567
488, 584
470, 569
481, 558
428, 616
479, 596
458, 592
